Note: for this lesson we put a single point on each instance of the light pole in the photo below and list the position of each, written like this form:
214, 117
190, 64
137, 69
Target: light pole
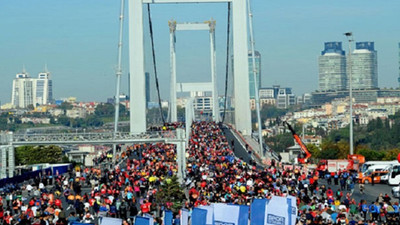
349, 36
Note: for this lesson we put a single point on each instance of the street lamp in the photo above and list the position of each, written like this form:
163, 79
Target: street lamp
349, 36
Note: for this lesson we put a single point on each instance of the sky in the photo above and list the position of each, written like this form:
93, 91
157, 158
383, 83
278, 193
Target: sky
78, 42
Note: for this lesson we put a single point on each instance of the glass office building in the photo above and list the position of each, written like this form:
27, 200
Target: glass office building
332, 67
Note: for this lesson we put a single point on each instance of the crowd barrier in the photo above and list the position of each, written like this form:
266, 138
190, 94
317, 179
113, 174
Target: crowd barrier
53, 170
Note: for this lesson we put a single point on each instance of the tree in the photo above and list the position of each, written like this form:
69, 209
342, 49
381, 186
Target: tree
64, 121
280, 142
105, 109
314, 150
392, 154
65, 106
371, 154
171, 192
27, 155
329, 150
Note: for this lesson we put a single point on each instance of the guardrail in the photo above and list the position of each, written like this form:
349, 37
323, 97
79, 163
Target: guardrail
18, 139
267, 149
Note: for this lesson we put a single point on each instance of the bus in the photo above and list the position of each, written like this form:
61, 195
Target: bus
366, 165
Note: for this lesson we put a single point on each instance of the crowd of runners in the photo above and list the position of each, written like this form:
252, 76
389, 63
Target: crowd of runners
213, 174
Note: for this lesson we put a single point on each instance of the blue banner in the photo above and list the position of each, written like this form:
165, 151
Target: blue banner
199, 216
257, 213
142, 220
168, 217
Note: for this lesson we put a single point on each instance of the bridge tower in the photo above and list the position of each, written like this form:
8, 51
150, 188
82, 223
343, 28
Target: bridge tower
191, 87
240, 63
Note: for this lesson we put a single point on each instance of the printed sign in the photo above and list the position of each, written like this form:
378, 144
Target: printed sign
275, 220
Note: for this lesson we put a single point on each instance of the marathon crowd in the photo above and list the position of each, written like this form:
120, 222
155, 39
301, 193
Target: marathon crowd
214, 174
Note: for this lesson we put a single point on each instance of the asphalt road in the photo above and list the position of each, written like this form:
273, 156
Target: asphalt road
239, 150
370, 192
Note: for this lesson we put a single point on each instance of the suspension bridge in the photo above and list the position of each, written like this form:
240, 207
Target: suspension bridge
240, 127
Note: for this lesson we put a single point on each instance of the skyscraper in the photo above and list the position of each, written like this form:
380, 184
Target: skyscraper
364, 66
44, 88
332, 67
22, 91
31, 91
257, 57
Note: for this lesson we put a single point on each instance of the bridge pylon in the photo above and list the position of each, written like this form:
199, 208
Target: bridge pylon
240, 63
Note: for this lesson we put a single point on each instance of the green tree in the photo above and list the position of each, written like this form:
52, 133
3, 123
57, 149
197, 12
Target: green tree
391, 154
171, 192
63, 120
314, 150
27, 155
104, 109
371, 154
65, 106
329, 150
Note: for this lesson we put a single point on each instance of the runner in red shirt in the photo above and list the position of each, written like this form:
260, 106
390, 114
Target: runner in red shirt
145, 207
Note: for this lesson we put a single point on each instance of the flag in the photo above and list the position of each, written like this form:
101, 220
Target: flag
184, 217
139, 220
277, 211
230, 214
199, 216
257, 211
293, 208
210, 214
168, 217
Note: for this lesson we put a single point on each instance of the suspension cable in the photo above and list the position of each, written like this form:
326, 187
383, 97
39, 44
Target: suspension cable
154, 63
227, 58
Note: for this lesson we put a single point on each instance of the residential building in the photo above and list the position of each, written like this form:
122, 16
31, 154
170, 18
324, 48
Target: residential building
76, 113
364, 66
266, 93
252, 87
332, 67
312, 139
285, 98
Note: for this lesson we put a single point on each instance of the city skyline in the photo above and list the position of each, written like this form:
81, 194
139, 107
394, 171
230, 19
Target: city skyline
81, 47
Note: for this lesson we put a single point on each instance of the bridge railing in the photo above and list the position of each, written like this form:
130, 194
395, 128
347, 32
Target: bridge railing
90, 136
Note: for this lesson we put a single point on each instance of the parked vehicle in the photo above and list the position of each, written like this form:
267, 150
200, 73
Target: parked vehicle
374, 168
394, 175
366, 165
369, 175
352, 163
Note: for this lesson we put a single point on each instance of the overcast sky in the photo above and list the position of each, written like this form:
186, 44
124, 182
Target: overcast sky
78, 40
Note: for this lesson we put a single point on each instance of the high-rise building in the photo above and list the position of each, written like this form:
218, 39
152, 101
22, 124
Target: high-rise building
44, 88
31, 91
364, 66
332, 67
252, 88
22, 91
